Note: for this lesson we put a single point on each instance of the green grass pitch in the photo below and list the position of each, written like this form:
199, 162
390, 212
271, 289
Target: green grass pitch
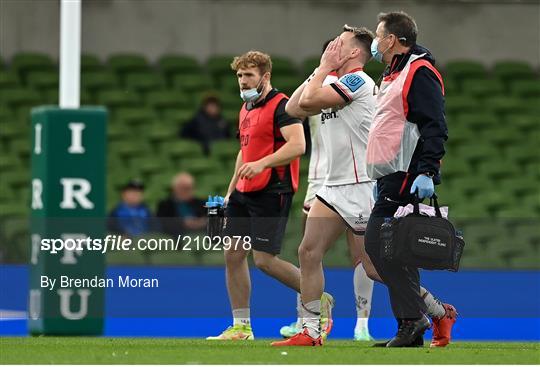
85, 350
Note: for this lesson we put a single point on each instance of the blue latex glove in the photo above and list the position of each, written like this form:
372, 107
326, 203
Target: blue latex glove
375, 192
424, 185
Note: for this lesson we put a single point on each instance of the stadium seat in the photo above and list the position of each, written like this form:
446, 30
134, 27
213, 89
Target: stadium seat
42, 80
483, 87
117, 98
503, 105
161, 131
309, 64
16, 97
90, 63
474, 152
283, 67
178, 64
460, 104
229, 83
374, 70
225, 150
9, 80
177, 116
465, 69
99, 80
182, 149
523, 121
287, 84
219, 65
192, 83
169, 99
131, 117
198, 166
512, 70
230, 100
526, 89
521, 153
127, 63
24, 62
451, 168
477, 121
144, 82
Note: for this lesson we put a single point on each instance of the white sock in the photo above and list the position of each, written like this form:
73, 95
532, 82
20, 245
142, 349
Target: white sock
363, 292
241, 316
435, 309
299, 311
311, 315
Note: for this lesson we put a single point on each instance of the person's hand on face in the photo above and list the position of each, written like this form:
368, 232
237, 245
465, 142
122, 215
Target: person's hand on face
331, 59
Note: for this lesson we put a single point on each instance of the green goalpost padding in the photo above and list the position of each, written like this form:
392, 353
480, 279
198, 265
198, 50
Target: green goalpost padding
68, 202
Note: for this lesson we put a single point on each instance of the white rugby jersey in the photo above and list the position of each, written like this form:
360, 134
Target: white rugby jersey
344, 129
318, 163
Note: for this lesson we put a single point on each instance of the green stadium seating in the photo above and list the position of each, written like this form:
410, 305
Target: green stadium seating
127, 63
99, 80
503, 105
477, 121
309, 64
177, 116
483, 87
374, 70
198, 166
12, 210
178, 64
90, 63
465, 69
42, 80
230, 100
451, 87
282, 66
229, 84
526, 89
24, 62
160, 100
225, 150
130, 117
17, 97
144, 82
219, 65
521, 153
192, 83
161, 131
9, 80
451, 168
523, 121
512, 70
116, 98
182, 149
129, 149
474, 152
526, 262
286, 85
461, 104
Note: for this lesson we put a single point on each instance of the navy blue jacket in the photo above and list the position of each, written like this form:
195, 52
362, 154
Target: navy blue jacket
426, 110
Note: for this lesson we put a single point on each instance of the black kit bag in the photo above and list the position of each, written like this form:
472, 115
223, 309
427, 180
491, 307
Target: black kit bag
421, 241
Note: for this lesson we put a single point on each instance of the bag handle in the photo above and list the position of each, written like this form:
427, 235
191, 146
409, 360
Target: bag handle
432, 202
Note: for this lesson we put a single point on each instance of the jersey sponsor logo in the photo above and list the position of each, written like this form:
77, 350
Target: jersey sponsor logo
328, 116
352, 81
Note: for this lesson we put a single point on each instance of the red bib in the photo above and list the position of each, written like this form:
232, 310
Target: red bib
260, 137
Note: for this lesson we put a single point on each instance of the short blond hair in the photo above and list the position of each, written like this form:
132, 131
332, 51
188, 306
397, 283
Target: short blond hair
253, 59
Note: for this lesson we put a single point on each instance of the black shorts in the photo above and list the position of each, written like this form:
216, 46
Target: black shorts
261, 216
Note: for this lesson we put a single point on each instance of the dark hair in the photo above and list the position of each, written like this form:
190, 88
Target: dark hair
211, 99
400, 24
363, 37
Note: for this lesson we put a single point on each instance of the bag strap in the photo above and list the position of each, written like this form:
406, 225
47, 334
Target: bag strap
432, 202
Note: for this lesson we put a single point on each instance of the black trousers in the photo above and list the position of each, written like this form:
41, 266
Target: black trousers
403, 282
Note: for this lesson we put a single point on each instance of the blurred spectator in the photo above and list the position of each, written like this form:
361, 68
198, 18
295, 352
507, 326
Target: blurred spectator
207, 125
182, 213
131, 216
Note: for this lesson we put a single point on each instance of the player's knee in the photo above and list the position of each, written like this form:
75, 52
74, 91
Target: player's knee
307, 253
233, 257
263, 261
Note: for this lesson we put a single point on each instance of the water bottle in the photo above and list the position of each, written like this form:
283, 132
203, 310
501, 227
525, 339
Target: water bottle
215, 214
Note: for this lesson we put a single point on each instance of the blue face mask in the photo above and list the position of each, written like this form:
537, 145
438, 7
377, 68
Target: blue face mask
251, 95
375, 50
